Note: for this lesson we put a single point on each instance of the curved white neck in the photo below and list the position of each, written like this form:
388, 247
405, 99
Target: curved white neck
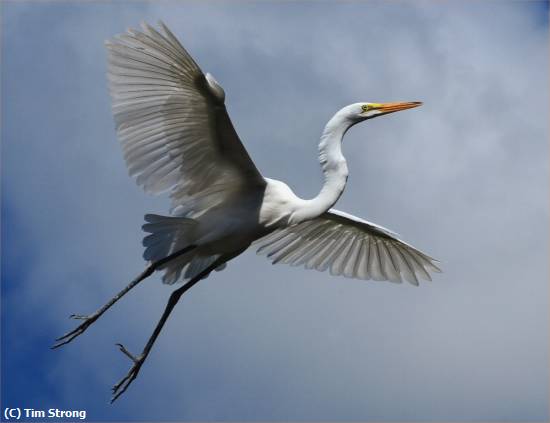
334, 167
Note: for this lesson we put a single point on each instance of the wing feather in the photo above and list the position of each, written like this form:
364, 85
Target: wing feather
172, 123
339, 262
347, 245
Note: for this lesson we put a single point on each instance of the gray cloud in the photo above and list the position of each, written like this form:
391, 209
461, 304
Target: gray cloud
465, 178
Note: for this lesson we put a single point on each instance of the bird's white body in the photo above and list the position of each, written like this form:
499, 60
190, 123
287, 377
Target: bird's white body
244, 218
247, 217
279, 205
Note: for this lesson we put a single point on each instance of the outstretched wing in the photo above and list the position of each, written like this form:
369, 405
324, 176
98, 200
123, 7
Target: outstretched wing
172, 122
347, 246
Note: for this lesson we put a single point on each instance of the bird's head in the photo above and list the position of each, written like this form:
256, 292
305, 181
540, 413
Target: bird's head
359, 112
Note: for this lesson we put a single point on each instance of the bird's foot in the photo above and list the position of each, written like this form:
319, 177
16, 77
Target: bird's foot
79, 330
123, 384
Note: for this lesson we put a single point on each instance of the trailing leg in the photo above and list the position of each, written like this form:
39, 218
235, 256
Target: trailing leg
138, 361
88, 320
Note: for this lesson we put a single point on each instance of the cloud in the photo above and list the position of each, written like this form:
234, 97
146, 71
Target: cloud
465, 178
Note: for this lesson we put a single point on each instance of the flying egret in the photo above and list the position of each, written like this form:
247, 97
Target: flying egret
177, 137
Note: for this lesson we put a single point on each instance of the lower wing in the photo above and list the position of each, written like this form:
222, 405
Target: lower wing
349, 246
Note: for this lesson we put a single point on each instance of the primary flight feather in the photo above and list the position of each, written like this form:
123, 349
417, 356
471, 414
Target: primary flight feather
177, 137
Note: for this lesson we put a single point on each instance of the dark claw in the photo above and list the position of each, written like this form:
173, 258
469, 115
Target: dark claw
79, 330
122, 385
128, 353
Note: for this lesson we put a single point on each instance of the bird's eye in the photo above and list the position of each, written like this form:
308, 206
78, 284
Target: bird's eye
365, 108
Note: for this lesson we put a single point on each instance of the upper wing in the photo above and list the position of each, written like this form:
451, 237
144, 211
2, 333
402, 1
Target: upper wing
349, 246
172, 122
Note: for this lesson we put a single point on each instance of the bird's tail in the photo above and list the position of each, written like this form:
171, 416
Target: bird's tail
168, 235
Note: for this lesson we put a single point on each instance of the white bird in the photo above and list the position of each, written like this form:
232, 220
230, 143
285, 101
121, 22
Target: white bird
177, 137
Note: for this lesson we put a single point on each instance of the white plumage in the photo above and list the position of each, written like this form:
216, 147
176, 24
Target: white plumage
177, 137
348, 246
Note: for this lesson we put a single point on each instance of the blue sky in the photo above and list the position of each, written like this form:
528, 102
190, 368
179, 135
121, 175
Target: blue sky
464, 178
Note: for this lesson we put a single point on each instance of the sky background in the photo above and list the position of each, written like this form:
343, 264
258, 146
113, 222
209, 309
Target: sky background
464, 178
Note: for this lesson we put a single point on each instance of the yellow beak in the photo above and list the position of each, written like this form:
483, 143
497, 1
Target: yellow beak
396, 107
